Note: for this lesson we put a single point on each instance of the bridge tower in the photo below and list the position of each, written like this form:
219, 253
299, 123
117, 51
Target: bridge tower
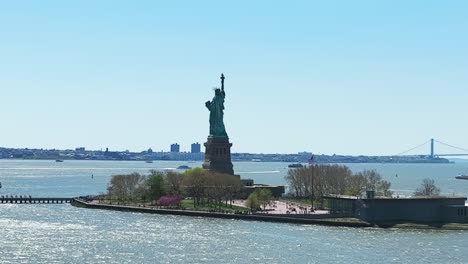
432, 148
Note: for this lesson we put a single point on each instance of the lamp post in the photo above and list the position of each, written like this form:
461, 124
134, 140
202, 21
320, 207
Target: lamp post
311, 169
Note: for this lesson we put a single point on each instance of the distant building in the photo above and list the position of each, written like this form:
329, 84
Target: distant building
196, 148
150, 150
82, 149
175, 147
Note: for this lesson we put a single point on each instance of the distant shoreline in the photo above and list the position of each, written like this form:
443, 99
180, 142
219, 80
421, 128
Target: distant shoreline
82, 153
358, 161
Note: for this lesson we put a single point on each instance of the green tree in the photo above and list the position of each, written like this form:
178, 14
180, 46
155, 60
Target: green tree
252, 202
259, 199
265, 197
155, 185
196, 181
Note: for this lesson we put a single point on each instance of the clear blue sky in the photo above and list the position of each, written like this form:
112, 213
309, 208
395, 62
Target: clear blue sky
345, 77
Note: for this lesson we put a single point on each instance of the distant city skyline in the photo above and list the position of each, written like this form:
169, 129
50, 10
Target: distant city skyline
361, 77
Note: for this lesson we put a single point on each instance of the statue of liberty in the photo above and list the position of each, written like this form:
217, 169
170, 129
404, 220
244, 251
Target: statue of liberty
216, 107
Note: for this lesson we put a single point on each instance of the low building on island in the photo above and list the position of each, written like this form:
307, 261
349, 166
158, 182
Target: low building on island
387, 212
249, 186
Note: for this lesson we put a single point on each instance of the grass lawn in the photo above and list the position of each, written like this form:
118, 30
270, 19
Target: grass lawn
186, 204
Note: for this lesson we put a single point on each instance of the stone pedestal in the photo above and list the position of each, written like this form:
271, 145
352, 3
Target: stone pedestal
218, 155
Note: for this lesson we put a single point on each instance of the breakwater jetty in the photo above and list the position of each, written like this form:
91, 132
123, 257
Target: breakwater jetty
35, 200
251, 217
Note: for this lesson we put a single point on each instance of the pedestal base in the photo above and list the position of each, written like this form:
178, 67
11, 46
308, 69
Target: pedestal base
218, 155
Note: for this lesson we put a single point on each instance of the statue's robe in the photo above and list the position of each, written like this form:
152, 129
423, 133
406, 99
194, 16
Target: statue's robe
216, 108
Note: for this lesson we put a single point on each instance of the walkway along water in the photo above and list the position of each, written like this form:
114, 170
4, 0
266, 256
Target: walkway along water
254, 217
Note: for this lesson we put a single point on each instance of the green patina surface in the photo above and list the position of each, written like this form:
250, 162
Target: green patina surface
216, 107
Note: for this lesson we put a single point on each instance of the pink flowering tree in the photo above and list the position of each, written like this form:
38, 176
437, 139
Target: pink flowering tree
170, 200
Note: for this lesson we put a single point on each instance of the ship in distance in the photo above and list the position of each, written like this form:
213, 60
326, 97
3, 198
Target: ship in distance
295, 165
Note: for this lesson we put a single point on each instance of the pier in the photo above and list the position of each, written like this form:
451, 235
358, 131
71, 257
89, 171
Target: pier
35, 200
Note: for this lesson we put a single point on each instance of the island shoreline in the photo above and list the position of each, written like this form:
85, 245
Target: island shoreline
326, 221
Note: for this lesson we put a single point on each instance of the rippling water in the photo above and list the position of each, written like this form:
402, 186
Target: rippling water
65, 234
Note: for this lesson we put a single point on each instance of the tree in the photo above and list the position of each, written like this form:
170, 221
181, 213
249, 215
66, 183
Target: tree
427, 188
384, 188
259, 199
232, 188
295, 180
264, 197
252, 202
127, 186
196, 180
135, 186
374, 182
318, 180
170, 200
155, 184
356, 184
315, 181
116, 187
173, 181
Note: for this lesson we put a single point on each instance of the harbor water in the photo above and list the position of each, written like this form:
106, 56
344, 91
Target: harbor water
61, 233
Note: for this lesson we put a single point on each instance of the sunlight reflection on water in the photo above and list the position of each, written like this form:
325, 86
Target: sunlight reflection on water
61, 233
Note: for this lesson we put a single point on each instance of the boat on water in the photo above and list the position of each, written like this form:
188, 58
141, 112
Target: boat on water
58, 160
148, 161
462, 177
184, 167
295, 165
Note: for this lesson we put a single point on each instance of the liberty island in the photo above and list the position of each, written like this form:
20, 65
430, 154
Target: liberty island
217, 183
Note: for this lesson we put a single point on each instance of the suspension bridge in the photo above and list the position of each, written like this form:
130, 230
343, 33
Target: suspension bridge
458, 151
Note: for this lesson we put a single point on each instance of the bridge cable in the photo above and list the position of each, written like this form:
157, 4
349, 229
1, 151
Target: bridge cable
399, 154
450, 145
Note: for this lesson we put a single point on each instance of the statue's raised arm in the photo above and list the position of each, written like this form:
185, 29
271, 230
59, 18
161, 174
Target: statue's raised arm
222, 82
216, 107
